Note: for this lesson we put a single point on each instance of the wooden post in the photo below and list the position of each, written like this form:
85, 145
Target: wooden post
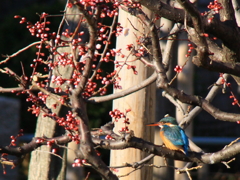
141, 103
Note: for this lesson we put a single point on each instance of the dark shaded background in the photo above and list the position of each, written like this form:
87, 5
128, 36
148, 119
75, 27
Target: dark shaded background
15, 36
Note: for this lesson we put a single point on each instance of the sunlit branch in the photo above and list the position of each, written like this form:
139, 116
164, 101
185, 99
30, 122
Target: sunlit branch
172, 100
9, 90
20, 51
134, 142
126, 92
210, 96
168, 50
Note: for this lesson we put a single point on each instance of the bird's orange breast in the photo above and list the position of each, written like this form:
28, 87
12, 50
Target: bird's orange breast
168, 143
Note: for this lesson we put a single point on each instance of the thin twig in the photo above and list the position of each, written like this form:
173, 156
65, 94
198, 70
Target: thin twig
232, 142
172, 100
88, 174
210, 96
19, 51
126, 92
169, 45
189, 176
50, 153
130, 172
112, 28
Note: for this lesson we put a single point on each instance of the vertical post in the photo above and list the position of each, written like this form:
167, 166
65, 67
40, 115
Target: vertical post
141, 103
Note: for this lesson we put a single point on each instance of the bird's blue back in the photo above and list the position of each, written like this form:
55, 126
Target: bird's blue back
176, 136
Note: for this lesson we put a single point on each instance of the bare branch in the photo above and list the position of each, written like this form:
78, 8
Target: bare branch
126, 92
20, 51
86, 148
134, 142
210, 96
136, 164
129, 141
216, 59
198, 101
112, 28
169, 46
8, 90
227, 13
236, 5
91, 22
35, 143
172, 100
162, 81
231, 38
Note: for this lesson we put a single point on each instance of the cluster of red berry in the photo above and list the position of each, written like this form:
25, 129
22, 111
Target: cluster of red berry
232, 96
14, 138
117, 115
214, 7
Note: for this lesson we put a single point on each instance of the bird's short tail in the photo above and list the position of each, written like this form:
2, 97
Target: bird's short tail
185, 149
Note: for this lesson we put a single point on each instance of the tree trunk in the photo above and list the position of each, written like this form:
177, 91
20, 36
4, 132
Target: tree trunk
141, 103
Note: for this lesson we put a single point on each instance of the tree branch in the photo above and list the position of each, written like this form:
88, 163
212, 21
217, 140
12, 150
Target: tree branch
126, 92
210, 96
162, 80
215, 58
134, 142
128, 140
228, 34
86, 149
19, 51
168, 50
199, 101
34, 144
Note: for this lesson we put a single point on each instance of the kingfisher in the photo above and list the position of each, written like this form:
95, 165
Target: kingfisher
172, 135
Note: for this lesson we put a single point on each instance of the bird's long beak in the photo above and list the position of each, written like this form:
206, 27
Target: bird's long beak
153, 124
